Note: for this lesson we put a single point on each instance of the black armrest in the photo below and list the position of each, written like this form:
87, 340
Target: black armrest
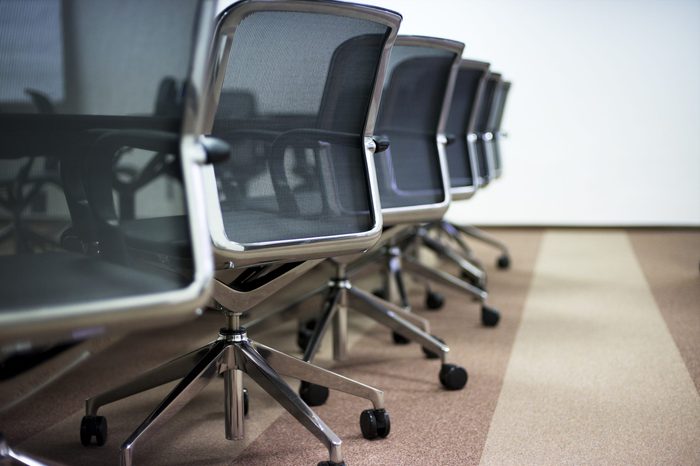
381, 144
217, 150
97, 175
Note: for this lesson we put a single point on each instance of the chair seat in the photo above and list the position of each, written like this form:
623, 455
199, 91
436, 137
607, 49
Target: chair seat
169, 235
57, 278
253, 226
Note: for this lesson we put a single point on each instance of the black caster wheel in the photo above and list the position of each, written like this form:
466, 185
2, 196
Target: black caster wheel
331, 463
434, 301
312, 394
246, 402
489, 316
503, 262
453, 377
380, 293
304, 333
428, 353
375, 423
399, 339
93, 426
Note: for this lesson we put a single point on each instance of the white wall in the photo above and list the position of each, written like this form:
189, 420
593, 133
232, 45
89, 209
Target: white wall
604, 112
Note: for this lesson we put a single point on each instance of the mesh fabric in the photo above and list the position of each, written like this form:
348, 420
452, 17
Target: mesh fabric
409, 171
464, 100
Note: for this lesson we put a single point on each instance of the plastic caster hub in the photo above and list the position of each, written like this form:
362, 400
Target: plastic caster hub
434, 301
304, 333
453, 377
503, 262
93, 426
399, 339
375, 423
312, 394
331, 463
428, 353
489, 316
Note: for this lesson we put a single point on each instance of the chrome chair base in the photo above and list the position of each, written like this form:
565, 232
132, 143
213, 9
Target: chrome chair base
231, 355
455, 232
341, 296
13, 456
403, 256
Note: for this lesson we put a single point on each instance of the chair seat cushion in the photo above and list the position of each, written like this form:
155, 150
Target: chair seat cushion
55, 278
169, 235
254, 226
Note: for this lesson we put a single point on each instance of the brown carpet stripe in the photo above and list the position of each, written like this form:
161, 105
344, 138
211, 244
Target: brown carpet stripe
670, 261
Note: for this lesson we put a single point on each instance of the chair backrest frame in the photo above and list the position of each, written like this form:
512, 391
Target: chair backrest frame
503, 92
460, 193
228, 252
434, 211
484, 136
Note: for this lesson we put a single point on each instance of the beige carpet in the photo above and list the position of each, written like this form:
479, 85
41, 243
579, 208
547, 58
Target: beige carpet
595, 377
597, 373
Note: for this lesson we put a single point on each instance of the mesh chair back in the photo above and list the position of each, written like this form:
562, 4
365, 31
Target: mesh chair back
461, 123
93, 97
412, 174
496, 121
486, 168
299, 173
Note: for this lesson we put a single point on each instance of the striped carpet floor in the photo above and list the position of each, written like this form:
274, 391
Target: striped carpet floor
596, 361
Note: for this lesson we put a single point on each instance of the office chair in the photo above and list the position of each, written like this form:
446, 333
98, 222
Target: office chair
403, 256
464, 182
87, 282
299, 187
487, 150
409, 129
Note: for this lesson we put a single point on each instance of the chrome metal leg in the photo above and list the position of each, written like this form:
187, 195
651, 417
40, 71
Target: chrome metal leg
203, 372
455, 235
434, 275
420, 322
397, 276
446, 252
340, 327
368, 305
172, 370
292, 367
330, 307
253, 364
482, 236
234, 406
16, 457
